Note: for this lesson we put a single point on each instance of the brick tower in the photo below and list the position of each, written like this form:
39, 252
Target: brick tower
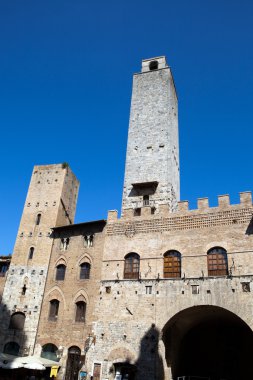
50, 202
152, 161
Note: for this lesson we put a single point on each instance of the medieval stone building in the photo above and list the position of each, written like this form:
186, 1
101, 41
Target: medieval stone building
160, 292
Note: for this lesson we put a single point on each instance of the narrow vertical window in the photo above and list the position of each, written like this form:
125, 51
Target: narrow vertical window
146, 200
53, 310
38, 218
84, 271
60, 272
80, 311
64, 244
31, 252
23, 292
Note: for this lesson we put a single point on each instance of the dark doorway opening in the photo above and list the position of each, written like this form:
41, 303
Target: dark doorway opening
124, 371
73, 363
209, 342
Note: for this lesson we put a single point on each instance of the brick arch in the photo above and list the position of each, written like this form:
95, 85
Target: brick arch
216, 243
81, 295
11, 339
43, 341
85, 258
61, 260
121, 354
74, 343
39, 212
54, 293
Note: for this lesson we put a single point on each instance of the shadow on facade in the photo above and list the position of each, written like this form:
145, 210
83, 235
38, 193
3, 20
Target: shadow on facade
208, 342
249, 230
13, 344
149, 364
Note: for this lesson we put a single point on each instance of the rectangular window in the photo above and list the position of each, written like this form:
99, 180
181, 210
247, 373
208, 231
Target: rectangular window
246, 287
148, 289
137, 212
195, 289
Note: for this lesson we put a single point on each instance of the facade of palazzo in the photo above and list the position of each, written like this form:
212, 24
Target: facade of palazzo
159, 292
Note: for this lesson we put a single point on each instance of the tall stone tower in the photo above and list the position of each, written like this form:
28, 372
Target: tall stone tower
50, 202
152, 161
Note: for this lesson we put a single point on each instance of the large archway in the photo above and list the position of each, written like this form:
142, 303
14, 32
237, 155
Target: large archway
209, 342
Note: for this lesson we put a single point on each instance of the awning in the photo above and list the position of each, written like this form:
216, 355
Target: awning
9, 360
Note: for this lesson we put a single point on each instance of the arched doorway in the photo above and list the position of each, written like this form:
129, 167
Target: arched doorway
209, 342
73, 363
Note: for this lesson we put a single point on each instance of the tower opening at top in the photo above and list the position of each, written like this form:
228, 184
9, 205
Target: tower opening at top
153, 65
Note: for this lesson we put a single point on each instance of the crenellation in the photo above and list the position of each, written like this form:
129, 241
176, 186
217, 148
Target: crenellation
203, 204
223, 201
183, 206
246, 199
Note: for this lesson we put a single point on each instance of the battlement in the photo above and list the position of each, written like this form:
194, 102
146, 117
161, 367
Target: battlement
223, 202
147, 220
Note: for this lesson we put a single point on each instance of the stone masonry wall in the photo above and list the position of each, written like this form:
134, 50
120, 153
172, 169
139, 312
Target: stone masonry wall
47, 186
152, 151
65, 332
130, 312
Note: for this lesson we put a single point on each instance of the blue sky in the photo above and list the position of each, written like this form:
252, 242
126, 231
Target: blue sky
65, 84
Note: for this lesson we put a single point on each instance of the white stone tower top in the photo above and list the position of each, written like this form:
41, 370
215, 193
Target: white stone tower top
152, 161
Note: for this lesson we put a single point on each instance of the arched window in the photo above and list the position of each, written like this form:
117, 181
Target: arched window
38, 218
217, 262
49, 351
17, 321
31, 252
172, 264
60, 272
53, 310
132, 266
84, 271
153, 65
80, 311
11, 348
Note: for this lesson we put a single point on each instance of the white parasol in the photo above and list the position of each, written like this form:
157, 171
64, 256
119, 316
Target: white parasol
12, 365
35, 365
